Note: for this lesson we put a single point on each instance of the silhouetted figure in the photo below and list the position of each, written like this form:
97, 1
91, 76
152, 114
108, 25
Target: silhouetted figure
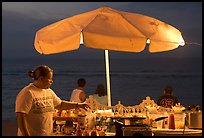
168, 99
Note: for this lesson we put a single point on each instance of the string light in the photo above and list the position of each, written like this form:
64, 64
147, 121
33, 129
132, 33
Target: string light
193, 43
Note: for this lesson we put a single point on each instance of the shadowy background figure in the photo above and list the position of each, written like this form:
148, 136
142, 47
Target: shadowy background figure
100, 94
78, 94
168, 99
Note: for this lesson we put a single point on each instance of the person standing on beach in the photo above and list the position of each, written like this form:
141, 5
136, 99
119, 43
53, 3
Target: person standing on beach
168, 99
100, 94
36, 102
78, 94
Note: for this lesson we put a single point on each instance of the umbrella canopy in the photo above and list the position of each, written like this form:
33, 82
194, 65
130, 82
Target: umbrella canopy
108, 29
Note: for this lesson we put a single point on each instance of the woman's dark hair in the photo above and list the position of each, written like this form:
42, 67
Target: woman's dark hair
81, 82
41, 71
100, 90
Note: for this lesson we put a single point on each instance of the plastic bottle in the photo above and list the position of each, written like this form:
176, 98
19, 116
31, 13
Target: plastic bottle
58, 129
86, 131
79, 131
101, 132
94, 132
171, 121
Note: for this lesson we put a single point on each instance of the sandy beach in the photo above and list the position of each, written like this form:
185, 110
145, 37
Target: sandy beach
9, 128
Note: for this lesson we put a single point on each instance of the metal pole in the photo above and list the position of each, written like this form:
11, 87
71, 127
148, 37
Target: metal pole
108, 77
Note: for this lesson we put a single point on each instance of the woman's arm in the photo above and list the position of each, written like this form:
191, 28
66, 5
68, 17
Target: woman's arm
65, 105
22, 123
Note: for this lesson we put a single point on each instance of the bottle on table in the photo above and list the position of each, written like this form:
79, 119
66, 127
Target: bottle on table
94, 132
79, 131
86, 131
171, 121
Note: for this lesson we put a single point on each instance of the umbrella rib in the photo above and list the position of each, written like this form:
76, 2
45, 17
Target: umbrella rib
120, 13
89, 23
165, 41
142, 32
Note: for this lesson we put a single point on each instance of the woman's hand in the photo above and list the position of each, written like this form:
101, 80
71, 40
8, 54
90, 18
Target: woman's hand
83, 106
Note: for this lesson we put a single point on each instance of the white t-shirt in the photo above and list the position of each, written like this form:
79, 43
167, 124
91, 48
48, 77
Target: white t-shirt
39, 105
75, 95
102, 100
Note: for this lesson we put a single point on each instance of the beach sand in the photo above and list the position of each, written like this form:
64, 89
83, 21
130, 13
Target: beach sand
9, 128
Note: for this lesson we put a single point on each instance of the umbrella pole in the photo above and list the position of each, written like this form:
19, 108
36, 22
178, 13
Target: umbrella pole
107, 77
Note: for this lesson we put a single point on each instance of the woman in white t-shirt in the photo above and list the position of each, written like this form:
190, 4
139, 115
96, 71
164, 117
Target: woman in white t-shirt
100, 94
36, 102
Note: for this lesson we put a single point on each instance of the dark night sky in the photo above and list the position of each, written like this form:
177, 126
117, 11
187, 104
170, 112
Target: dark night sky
21, 20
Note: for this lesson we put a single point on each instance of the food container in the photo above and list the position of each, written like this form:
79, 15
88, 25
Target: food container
194, 119
90, 120
159, 124
179, 120
82, 120
67, 129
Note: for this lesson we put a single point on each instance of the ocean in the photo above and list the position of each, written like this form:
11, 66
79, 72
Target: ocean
131, 80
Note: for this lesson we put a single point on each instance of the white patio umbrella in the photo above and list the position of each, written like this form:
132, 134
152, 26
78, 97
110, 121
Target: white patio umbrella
108, 29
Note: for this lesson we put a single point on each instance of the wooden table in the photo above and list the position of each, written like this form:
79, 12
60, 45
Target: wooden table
59, 118
176, 132
129, 120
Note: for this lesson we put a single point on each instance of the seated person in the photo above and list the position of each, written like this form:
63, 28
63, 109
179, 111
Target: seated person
167, 100
100, 94
78, 94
